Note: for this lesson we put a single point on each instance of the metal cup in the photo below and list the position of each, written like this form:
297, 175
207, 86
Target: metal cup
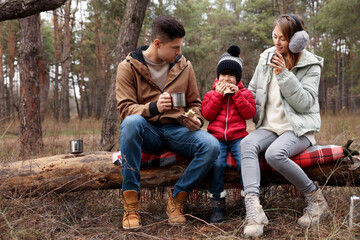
76, 146
178, 99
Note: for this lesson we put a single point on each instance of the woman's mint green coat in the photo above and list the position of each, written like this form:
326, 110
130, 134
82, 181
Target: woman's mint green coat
298, 88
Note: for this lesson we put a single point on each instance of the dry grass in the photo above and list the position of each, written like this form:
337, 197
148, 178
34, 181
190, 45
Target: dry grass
98, 214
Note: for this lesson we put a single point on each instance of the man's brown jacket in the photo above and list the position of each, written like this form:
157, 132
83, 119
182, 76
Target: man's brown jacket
137, 93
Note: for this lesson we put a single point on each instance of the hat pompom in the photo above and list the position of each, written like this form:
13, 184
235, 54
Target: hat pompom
234, 51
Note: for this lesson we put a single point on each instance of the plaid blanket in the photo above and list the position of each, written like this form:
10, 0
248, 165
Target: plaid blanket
314, 155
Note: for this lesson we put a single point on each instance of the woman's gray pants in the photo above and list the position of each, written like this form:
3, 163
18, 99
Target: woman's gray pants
278, 151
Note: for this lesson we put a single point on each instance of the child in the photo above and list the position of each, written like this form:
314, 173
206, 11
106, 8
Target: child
226, 107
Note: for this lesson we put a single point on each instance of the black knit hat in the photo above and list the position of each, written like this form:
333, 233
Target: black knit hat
231, 61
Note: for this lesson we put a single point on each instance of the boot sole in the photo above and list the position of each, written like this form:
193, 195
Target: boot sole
322, 219
132, 228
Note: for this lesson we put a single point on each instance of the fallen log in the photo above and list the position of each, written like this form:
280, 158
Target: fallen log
95, 170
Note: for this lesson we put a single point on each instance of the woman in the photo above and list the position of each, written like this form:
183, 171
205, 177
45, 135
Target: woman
285, 88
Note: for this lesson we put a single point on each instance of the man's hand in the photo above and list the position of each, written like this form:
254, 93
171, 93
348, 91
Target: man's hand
164, 102
192, 123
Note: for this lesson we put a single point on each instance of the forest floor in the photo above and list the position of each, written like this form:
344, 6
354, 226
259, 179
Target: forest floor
98, 214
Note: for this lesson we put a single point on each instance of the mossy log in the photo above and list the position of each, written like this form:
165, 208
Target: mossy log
95, 170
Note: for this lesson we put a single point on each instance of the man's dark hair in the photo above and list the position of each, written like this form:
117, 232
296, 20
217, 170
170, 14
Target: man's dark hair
166, 29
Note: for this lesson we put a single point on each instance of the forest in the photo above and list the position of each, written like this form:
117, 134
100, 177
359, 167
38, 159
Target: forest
80, 45
58, 61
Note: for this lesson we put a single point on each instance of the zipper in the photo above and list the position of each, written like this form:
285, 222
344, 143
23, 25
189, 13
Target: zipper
166, 85
227, 117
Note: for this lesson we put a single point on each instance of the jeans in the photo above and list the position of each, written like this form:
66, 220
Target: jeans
278, 151
138, 135
218, 169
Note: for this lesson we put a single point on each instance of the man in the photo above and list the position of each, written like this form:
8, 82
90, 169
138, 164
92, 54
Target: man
144, 82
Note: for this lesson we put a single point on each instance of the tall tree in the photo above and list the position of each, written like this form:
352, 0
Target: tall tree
57, 50
43, 67
65, 66
11, 64
2, 82
30, 53
127, 41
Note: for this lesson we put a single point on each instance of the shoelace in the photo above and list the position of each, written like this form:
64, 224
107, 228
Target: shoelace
132, 207
250, 208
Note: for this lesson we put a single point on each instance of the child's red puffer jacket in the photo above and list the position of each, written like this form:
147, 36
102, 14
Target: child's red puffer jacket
227, 114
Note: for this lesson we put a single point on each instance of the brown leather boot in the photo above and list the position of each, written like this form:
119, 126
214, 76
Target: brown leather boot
131, 219
175, 207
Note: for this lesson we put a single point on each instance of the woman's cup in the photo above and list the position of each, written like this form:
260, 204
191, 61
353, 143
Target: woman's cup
178, 99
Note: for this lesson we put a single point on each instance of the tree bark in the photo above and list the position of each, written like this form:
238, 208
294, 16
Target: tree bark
44, 80
127, 41
65, 66
57, 33
13, 9
12, 53
95, 171
2, 86
30, 53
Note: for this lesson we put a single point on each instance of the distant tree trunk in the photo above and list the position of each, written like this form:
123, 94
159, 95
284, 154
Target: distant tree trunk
75, 97
65, 66
12, 52
101, 94
322, 94
2, 86
81, 82
352, 102
56, 56
30, 53
44, 80
127, 41
343, 85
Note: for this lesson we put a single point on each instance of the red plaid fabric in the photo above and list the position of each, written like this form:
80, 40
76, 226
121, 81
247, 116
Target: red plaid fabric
314, 155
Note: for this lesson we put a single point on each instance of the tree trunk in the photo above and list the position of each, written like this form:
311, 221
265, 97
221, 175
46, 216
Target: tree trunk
75, 97
81, 82
44, 80
65, 66
127, 41
57, 32
30, 53
343, 88
13, 9
2, 82
95, 171
12, 52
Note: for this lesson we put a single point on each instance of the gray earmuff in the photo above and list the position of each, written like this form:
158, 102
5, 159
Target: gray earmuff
300, 39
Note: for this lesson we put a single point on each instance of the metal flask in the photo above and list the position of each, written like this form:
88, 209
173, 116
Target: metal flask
76, 146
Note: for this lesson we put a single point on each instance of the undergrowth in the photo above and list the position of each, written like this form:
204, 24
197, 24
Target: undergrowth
98, 214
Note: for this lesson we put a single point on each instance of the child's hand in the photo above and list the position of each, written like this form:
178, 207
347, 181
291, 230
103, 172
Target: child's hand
233, 88
220, 87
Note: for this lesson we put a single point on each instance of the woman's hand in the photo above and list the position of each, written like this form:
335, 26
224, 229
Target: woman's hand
278, 62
